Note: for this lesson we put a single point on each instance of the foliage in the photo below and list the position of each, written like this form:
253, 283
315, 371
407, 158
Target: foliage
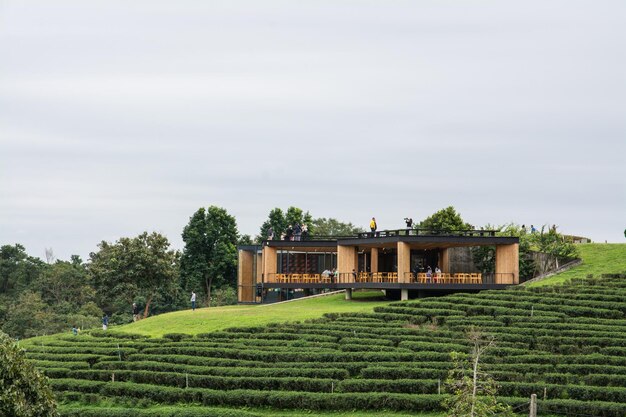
225, 295
24, 392
28, 316
333, 227
445, 220
65, 285
473, 390
210, 254
131, 267
279, 221
553, 244
17, 269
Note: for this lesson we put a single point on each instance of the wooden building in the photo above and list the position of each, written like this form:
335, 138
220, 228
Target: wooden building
392, 260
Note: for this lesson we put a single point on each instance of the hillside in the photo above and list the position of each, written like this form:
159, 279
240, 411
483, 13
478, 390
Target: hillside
568, 342
220, 318
598, 258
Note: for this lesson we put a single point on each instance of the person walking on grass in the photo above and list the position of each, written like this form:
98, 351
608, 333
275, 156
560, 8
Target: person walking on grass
193, 301
105, 322
135, 312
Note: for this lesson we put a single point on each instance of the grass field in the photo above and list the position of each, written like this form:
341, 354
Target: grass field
218, 318
598, 258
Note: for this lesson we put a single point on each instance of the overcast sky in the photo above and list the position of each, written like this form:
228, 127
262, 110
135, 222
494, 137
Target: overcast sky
123, 116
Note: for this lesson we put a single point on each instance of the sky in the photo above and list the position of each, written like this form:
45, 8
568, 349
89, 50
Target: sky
118, 117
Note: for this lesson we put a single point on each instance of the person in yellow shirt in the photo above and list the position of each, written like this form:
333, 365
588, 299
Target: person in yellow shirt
373, 225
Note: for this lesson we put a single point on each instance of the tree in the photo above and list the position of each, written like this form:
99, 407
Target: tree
28, 316
279, 222
65, 285
17, 269
554, 245
131, 267
445, 220
333, 227
24, 392
473, 390
210, 253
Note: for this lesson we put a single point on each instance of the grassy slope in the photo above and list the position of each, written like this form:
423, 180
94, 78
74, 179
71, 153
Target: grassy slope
218, 318
598, 258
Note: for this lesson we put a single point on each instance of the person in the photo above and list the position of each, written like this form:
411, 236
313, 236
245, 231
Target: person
532, 229
326, 274
193, 301
333, 276
289, 233
437, 270
105, 322
297, 232
523, 229
354, 274
429, 274
270, 233
305, 231
373, 225
135, 312
75, 330
409, 222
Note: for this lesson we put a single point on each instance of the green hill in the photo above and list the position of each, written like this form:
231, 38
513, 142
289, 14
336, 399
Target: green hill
598, 258
219, 318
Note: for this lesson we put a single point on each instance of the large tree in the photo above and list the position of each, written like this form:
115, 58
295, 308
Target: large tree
24, 392
142, 266
445, 220
333, 227
17, 269
66, 286
279, 221
210, 255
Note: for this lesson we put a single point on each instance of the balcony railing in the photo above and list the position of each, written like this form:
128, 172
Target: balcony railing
392, 233
391, 277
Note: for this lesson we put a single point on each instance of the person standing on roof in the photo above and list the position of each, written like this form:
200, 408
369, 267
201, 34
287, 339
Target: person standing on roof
373, 225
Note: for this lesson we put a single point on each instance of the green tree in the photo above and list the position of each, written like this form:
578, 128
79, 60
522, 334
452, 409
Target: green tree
210, 254
333, 227
445, 220
24, 392
554, 245
279, 221
473, 391
142, 266
28, 316
65, 286
17, 269
276, 220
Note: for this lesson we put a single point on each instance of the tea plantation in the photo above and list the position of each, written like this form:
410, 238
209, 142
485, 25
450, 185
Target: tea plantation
565, 343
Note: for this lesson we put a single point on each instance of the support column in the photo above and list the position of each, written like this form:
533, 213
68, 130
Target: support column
374, 260
444, 260
245, 281
347, 260
404, 261
507, 264
348, 293
270, 264
404, 295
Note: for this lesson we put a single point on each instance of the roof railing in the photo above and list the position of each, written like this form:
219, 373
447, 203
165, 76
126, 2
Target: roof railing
397, 232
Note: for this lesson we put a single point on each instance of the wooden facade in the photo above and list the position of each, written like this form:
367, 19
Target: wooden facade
369, 262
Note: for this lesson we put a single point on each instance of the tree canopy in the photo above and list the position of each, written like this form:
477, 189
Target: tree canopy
210, 254
279, 221
131, 267
333, 227
445, 220
24, 392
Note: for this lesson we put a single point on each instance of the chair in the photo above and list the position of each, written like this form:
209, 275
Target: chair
362, 277
306, 278
475, 279
315, 278
422, 278
392, 276
296, 278
281, 278
377, 276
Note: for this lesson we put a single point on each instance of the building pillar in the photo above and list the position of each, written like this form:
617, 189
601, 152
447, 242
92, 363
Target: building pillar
404, 295
245, 278
374, 260
348, 293
270, 264
404, 261
507, 264
347, 260
444, 260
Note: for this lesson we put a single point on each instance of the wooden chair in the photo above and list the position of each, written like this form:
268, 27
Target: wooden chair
281, 278
392, 276
362, 277
377, 276
422, 278
315, 278
306, 278
295, 278
475, 279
